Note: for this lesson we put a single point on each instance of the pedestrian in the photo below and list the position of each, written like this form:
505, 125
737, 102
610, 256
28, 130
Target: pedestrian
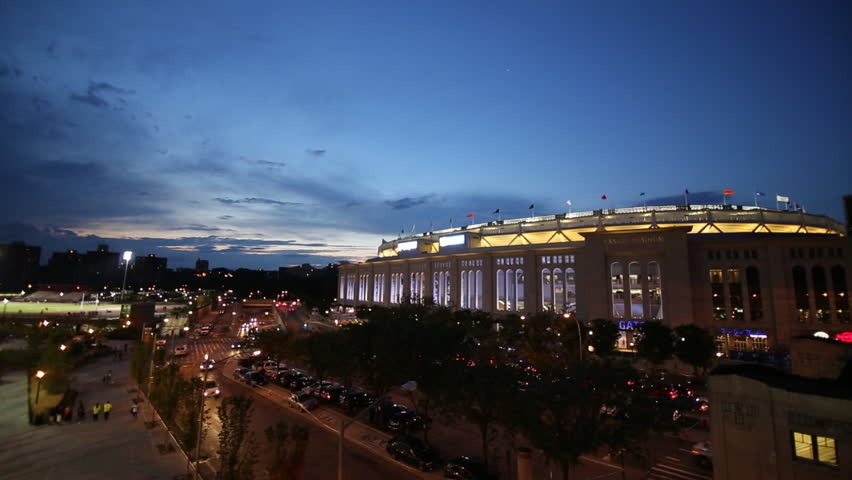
134, 410
125, 348
59, 415
109, 377
107, 408
81, 412
68, 414
96, 409
119, 356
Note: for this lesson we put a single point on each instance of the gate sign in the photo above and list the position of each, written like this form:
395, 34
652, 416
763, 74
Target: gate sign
845, 337
623, 325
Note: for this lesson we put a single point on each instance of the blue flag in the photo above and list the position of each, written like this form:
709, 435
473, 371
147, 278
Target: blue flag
760, 194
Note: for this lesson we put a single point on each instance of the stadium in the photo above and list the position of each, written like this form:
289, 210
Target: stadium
755, 277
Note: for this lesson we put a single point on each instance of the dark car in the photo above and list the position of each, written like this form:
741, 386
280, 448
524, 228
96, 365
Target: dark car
255, 378
240, 373
405, 420
412, 451
383, 412
465, 468
306, 400
355, 400
245, 362
300, 382
330, 393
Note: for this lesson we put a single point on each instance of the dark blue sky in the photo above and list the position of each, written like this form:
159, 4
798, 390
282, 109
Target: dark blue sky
262, 134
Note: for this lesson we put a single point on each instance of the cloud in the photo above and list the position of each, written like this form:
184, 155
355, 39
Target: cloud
7, 71
255, 200
93, 95
226, 217
267, 163
315, 152
406, 202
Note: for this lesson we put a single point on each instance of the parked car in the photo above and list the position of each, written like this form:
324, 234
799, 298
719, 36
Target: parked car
255, 378
702, 452
354, 401
245, 362
465, 468
181, 351
412, 451
301, 381
266, 365
240, 373
330, 393
306, 400
211, 389
405, 420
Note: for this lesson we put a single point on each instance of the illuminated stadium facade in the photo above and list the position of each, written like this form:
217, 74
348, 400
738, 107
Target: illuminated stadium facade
755, 277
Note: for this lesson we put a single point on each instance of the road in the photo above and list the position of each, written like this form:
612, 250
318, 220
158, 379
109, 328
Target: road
321, 455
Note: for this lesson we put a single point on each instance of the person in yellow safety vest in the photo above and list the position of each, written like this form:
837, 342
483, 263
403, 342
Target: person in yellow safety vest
96, 409
107, 408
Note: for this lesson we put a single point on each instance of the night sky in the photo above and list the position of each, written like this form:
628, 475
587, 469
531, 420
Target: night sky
264, 134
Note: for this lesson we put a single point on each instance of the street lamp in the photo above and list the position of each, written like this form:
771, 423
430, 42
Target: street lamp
579, 332
39, 375
409, 386
126, 256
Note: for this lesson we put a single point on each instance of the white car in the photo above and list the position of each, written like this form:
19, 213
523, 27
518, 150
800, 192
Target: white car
181, 351
211, 389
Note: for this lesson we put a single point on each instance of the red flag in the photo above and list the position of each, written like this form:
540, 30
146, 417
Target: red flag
603, 197
727, 191
469, 215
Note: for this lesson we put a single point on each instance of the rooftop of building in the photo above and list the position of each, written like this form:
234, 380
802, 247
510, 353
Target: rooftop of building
569, 227
840, 388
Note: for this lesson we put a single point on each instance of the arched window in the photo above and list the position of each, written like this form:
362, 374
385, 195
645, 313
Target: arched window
823, 311
511, 301
447, 288
501, 290
617, 289
478, 292
558, 290
735, 289
655, 297
546, 290
755, 300
570, 291
519, 290
800, 287
463, 290
841, 295
637, 307
436, 287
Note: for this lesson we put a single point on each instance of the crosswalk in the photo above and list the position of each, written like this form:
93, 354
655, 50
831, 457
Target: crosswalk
216, 348
675, 468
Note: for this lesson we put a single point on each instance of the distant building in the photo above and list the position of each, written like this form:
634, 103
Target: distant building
19, 266
754, 277
202, 266
149, 271
66, 267
101, 267
770, 425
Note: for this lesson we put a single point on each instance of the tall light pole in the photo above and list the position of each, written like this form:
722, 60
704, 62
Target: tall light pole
579, 332
126, 256
39, 374
5, 302
410, 386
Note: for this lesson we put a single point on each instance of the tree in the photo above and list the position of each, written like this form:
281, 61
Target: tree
694, 346
549, 341
562, 415
278, 345
289, 444
603, 334
237, 447
656, 342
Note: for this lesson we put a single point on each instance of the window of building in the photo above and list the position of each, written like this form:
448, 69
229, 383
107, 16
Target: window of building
758, 344
510, 291
617, 289
558, 290
546, 290
570, 291
841, 296
519, 290
478, 290
501, 290
821, 302
735, 291
815, 448
655, 297
717, 289
637, 308
463, 290
800, 287
755, 301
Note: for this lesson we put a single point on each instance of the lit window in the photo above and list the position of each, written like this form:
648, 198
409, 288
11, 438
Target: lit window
814, 447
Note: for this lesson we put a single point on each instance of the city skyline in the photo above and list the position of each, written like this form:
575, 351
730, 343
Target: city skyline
288, 133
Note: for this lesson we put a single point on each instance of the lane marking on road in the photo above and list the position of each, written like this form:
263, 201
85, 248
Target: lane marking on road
674, 459
677, 472
600, 462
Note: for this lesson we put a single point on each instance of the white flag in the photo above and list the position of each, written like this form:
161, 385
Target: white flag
569, 202
782, 199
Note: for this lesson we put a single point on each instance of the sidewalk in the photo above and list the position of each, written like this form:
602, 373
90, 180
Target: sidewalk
120, 448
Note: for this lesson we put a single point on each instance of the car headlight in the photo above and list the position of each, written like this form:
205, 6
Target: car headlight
217, 391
